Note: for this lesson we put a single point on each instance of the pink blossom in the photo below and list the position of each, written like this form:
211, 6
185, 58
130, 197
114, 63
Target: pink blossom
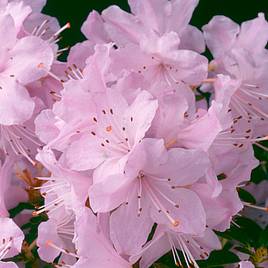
193, 247
159, 190
134, 147
11, 241
101, 253
117, 128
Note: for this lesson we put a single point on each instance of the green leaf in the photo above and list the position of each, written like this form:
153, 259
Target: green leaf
247, 232
250, 227
160, 265
219, 258
263, 241
243, 250
258, 174
246, 196
19, 208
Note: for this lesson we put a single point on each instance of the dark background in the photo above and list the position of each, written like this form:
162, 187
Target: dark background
76, 11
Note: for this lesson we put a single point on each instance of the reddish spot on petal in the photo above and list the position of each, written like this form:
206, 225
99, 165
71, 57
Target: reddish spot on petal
109, 128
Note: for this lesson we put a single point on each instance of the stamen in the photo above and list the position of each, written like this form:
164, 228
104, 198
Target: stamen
37, 30
261, 139
66, 26
13, 135
158, 204
73, 72
261, 146
256, 207
235, 224
187, 251
174, 251
65, 251
42, 66
209, 80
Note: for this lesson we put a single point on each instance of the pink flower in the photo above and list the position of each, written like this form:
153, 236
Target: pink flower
65, 188
152, 39
132, 161
151, 16
55, 236
224, 35
245, 62
12, 190
150, 185
19, 61
246, 264
11, 241
93, 247
192, 247
115, 131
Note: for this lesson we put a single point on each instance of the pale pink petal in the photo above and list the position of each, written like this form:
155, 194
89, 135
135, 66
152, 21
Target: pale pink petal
85, 153
101, 262
122, 27
100, 253
75, 105
93, 28
36, 5
196, 136
220, 34
180, 14
246, 264
7, 22
111, 166
151, 13
183, 166
8, 265
192, 39
19, 11
188, 213
163, 46
45, 126
225, 88
111, 193
31, 59
16, 106
126, 241
147, 156
208, 241
188, 66
10, 230
131, 58
47, 232
155, 249
139, 116
80, 52
97, 67
36, 19
5, 181
254, 34
170, 115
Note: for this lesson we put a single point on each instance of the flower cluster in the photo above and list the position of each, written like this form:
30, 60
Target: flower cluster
137, 145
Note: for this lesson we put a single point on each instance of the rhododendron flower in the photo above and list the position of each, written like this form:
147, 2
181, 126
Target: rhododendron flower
101, 253
117, 128
135, 151
11, 241
246, 264
238, 56
193, 247
157, 186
